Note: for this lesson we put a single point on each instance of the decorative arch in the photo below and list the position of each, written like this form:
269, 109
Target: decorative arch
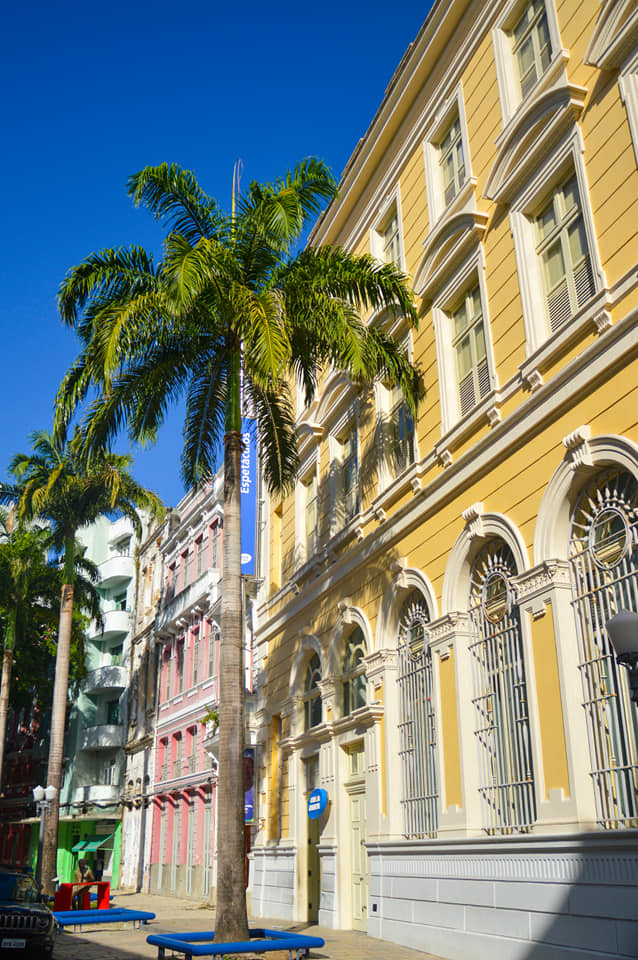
479, 527
451, 241
403, 581
583, 457
336, 391
547, 117
349, 617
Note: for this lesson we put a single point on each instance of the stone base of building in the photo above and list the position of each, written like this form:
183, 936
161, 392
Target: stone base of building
175, 882
272, 882
545, 898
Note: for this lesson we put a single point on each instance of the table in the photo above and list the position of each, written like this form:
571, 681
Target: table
64, 895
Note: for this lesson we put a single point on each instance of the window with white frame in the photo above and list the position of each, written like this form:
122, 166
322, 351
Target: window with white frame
353, 676
452, 161
628, 85
526, 45
401, 434
312, 693
557, 257
468, 346
531, 45
464, 349
446, 155
310, 496
563, 253
345, 472
385, 237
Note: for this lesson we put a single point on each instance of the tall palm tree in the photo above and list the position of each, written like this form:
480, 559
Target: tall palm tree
29, 609
28, 590
227, 318
61, 483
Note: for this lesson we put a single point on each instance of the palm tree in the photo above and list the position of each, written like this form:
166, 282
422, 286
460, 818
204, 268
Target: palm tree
60, 483
28, 590
227, 318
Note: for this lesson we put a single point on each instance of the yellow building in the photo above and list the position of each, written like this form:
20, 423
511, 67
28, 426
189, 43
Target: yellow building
432, 624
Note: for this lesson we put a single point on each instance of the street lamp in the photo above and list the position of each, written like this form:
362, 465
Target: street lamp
623, 633
43, 798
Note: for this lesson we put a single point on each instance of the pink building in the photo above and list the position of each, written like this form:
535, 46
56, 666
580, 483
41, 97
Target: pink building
187, 632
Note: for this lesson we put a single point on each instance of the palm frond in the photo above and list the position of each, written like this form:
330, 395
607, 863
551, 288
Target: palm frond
173, 195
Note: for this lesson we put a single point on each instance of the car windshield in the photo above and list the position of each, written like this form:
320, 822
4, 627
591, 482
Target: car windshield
17, 887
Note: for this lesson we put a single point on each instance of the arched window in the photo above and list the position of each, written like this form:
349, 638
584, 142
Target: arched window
312, 693
417, 731
603, 558
506, 774
354, 678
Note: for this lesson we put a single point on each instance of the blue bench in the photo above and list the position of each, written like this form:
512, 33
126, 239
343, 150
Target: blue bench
261, 941
78, 918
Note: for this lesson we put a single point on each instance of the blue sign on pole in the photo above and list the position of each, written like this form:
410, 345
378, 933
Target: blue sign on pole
248, 488
317, 803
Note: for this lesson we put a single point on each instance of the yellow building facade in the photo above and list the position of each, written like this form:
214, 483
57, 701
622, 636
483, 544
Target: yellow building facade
432, 638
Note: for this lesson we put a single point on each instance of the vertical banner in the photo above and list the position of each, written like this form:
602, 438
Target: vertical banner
249, 785
248, 494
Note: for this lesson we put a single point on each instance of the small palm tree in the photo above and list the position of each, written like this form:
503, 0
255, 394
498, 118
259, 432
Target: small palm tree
58, 482
227, 318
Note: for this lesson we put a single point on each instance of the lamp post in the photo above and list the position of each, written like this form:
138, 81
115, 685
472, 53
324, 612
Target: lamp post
43, 797
623, 633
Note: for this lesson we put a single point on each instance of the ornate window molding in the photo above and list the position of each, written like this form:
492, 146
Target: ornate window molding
615, 34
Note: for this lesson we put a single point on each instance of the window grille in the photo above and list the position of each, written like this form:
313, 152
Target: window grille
506, 774
417, 731
354, 678
603, 555
531, 45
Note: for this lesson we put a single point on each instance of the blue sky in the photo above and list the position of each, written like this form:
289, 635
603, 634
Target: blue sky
92, 93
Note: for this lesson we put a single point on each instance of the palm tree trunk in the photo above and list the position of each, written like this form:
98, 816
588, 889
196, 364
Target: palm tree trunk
5, 682
58, 717
231, 922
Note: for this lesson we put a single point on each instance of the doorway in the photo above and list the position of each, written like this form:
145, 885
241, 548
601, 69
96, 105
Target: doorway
355, 789
313, 864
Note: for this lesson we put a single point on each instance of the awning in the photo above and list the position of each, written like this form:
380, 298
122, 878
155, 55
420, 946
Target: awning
91, 843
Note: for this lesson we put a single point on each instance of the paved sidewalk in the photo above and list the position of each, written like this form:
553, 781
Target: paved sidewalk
175, 915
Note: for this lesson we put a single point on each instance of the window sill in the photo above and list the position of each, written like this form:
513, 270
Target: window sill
594, 313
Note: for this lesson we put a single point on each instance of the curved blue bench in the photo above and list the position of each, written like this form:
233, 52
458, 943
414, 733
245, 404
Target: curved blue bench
77, 918
261, 941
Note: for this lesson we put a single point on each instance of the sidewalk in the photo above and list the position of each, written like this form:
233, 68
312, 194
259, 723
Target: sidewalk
175, 915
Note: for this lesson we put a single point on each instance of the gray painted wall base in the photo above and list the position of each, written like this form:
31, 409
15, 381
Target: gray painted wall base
529, 898
272, 882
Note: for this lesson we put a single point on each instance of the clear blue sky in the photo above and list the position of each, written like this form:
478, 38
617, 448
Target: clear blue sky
92, 93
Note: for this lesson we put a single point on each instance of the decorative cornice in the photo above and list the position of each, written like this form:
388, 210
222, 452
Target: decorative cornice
473, 518
533, 587
577, 444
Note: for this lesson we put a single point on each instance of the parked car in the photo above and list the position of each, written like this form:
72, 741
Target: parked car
27, 926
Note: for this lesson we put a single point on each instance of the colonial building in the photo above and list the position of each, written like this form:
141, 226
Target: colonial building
142, 704
187, 632
94, 772
436, 592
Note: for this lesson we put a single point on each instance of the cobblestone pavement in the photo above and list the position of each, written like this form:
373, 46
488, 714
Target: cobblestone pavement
175, 915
